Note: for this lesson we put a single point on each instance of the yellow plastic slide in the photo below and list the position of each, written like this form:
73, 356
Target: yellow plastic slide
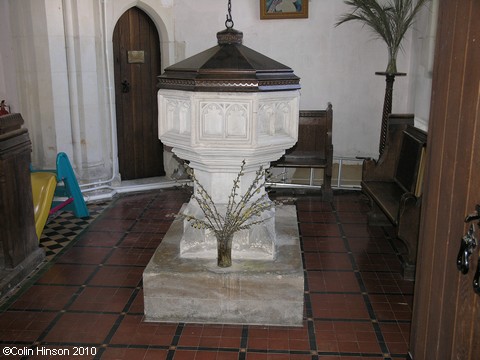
43, 189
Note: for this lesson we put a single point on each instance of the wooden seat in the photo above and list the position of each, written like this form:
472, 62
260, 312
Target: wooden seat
394, 185
314, 149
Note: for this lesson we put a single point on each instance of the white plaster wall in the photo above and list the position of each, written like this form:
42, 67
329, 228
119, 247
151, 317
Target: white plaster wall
33, 73
422, 50
60, 66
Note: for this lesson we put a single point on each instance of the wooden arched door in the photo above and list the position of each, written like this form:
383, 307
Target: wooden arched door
136, 48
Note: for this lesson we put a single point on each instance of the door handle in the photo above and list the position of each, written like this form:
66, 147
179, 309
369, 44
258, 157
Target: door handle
125, 86
467, 245
474, 216
476, 278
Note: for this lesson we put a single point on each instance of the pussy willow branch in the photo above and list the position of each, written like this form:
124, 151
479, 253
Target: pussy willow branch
253, 208
204, 200
252, 190
237, 213
233, 193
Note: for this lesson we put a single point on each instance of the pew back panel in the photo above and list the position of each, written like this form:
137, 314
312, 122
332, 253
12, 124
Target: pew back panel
314, 148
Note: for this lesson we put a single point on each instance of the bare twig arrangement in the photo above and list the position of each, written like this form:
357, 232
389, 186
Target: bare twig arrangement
239, 213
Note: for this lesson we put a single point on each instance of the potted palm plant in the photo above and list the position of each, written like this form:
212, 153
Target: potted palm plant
389, 20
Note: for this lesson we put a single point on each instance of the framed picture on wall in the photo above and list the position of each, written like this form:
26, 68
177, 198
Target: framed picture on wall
283, 9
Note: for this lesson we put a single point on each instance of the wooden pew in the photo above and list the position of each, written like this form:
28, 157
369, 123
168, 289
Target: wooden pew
314, 149
394, 185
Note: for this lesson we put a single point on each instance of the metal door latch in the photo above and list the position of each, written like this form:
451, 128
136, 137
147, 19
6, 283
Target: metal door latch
125, 86
474, 216
476, 279
468, 244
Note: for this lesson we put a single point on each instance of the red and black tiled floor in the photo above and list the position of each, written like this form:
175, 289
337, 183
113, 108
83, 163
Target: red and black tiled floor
89, 298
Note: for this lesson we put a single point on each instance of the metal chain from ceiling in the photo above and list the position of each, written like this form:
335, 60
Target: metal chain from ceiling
229, 21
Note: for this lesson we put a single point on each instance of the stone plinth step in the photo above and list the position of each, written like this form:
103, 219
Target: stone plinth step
254, 292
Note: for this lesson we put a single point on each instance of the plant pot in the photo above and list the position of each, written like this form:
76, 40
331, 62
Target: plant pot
224, 250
